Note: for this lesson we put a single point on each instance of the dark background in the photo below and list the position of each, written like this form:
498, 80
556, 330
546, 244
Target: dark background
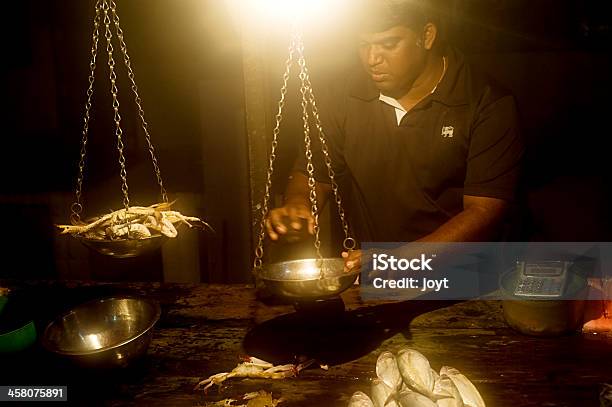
187, 55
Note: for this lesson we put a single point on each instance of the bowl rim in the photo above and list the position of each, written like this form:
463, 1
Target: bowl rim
120, 240
266, 268
47, 344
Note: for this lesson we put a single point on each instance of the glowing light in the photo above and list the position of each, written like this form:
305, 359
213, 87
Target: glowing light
303, 11
310, 271
290, 9
93, 340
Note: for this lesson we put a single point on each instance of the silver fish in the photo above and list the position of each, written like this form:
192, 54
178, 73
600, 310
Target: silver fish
446, 393
469, 393
413, 399
360, 399
435, 375
382, 394
416, 371
387, 370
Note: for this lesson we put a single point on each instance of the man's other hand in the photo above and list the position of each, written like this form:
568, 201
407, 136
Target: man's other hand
288, 218
352, 260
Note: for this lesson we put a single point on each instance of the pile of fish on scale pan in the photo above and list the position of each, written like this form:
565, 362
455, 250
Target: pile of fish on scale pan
407, 380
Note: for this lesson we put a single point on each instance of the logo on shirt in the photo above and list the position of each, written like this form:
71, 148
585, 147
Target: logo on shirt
448, 131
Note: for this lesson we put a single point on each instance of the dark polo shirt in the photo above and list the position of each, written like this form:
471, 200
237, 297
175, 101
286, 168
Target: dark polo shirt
402, 182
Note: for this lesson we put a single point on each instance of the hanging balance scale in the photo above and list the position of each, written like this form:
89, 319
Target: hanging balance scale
132, 230
316, 278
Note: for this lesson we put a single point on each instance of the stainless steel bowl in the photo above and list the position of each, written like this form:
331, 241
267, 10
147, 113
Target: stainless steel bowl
544, 317
301, 279
124, 248
110, 332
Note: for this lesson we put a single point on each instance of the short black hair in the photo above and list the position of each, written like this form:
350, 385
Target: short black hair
380, 15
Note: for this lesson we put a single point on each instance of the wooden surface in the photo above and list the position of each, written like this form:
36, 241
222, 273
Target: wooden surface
204, 329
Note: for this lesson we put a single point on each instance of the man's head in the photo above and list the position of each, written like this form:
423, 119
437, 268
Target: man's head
396, 38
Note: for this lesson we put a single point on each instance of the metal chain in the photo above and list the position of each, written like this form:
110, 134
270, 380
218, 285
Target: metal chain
117, 117
308, 99
307, 142
259, 251
349, 242
77, 206
138, 100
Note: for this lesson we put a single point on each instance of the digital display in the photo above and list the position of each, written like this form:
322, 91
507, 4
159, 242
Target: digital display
543, 271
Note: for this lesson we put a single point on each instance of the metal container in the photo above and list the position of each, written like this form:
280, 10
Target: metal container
302, 279
110, 332
124, 248
545, 317
18, 339
20, 335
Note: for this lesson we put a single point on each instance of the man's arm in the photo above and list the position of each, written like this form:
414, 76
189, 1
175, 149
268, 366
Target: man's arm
298, 191
479, 221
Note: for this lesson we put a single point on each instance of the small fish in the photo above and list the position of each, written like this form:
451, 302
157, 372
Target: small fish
410, 398
469, 393
449, 402
388, 371
435, 375
360, 399
261, 399
134, 231
381, 394
416, 371
446, 393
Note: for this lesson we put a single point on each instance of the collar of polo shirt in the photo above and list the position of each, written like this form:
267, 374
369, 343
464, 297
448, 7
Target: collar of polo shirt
400, 112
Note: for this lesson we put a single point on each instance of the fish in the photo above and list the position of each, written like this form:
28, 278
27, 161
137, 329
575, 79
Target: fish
259, 398
134, 231
449, 402
416, 371
360, 399
382, 394
411, 398
446, 393
435, 375
388, 371
469, 394
253, 368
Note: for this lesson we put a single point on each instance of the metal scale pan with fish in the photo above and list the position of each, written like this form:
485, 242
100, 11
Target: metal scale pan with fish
306, 280
132, 230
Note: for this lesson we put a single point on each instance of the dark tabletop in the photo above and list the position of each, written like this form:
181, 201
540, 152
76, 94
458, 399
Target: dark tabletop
204, 329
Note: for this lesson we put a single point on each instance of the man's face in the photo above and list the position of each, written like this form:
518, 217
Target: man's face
392, 58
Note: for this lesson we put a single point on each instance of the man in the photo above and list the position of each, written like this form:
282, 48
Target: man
424, 147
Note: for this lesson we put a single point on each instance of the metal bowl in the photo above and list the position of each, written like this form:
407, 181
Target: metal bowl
104, 333
302, 280
124, 248
544, 317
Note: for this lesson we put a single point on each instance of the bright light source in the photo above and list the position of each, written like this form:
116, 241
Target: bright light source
309, 272
303, 11
291, 9
93, 340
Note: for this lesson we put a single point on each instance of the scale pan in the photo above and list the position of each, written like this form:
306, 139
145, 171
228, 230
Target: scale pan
124, 248
300, 279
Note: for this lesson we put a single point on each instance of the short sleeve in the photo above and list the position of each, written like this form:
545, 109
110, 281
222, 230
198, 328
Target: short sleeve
495, 153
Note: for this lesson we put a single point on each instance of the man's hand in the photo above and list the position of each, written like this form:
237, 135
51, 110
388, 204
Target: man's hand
352, 260
281, 220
